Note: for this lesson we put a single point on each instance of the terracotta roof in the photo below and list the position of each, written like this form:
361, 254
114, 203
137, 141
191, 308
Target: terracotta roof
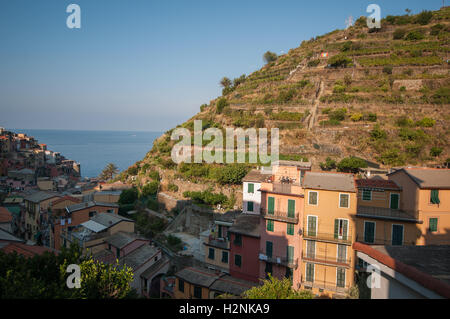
67, 197
26, 250
424, 279
5, 215
330, 181
377, 183
428, 177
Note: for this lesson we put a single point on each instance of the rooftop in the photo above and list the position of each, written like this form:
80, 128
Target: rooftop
231, 285
108, 219
150, 271
139, 256
256, 176
292, 163
80, 206
428, 177
246, 224
24, 249
40, 196
377, 183
199, 276
122, 239
7, 236
330, 181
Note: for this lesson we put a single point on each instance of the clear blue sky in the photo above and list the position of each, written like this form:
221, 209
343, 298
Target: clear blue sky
146, 65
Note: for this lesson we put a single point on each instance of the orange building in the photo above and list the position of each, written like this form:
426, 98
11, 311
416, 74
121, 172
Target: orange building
328, 233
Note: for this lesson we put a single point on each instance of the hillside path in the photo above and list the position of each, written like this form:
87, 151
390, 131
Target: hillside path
316, 104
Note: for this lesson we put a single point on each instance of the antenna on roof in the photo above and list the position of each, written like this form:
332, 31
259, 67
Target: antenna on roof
349, 22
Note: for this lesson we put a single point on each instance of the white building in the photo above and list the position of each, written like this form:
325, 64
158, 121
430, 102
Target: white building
251, 196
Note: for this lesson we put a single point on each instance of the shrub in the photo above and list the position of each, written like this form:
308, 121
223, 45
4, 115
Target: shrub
377, 133
404, 121
424, 17
128, 196
338, 89
150, 189
387, 69
206, 197
221, 104
415, 36
232, 174
313, 63
154, 175
328, 165
338, 114
436, 29
402, 89
399, 34
351, 164
436, 151
426, 122
340, 60
371, 117
203, 107
269, 57
356, 117
392, 157
442, 96
172, 187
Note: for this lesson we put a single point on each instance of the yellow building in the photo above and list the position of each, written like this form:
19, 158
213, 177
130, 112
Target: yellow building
328, 260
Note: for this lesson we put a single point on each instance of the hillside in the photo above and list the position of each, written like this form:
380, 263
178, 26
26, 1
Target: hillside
382, 95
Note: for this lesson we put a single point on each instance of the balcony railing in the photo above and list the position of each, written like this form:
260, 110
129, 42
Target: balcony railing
280, 216
385, 213
334, 261
283, 261
222, 243
328, 237
324, 285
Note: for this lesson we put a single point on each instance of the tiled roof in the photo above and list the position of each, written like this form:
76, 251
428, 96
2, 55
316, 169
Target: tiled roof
231, 285
428, 177
40, 196
203, 277
423, 264
80, 206
5, 215
122, 239
26, 250
62, 199
377, 183
256, 176
150, 271
246, 224
330, 181
7, 236
108, 219
139, 256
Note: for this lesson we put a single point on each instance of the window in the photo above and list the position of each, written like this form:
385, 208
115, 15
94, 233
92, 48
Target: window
118, 252
312, 225
397, 235
369, 232
237, 240
341, 253
268, 269
310, 272
92, 214
291, 208
366, 195
251, 188
310, 249
225, 257
434, 197
312, 198
249, 206
433, 224
344, 200
211, 253
269, 249
270, 205
340, 277
181, 285
290, 229
395, 200
290, 254
270, 225
340, 229
289, 274
238, 260
198, 292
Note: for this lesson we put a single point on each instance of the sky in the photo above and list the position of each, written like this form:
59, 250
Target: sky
147, 65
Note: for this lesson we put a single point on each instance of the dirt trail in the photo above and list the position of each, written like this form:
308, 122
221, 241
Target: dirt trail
316, 104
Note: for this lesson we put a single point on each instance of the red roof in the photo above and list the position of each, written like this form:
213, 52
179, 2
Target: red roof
67, 197
423, 279
5, 215
376, 183
26, 250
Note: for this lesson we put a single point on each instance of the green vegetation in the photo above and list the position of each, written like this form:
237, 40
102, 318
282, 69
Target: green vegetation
221, 104
340, 60
399, 34
223, 174
270, 57
207, 197
128, 196
351, 165
274, 288
150, 189
436, 151
109, 172
328, 165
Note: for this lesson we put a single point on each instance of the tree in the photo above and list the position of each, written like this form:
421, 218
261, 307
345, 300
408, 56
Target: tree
225, 82
274, 288
269, 57
150, 189
328, 165
351, 165
221, 104
128, 196
109, 171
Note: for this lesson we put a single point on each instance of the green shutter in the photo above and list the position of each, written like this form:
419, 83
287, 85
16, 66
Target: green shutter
394, 201
269, 249
344, 235
211, 253
312, 220
435, 197
340, 280
433, 224
270, 225
369, 232
309, 272
336, 228
271, 205
290, 229
251, 188
367, 194
397, 235
250, 206
291, 208
225, 257
290, 253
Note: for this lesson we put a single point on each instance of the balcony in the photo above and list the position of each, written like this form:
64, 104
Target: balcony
328, 237
385, 213
280, 216
324, 286
222, 243
278, 260
327, 260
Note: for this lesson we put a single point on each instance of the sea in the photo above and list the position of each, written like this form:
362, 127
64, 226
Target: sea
95, 149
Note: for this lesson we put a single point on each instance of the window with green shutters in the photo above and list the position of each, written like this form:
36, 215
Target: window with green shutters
311, 249
291, 208
312, 198
340, 229
238, 260
271, 205
434, 197
397, 235
340, 277
181, 285
249, 206
290, 254
433, 224
225, 257
269, 249
395, 199
366, 195
211, 253
369, 232
237, 240
312, 225
270, 225
290, 229
310, 272
251, 188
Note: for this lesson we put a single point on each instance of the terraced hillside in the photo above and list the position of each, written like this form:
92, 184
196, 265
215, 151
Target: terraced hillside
382, 95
